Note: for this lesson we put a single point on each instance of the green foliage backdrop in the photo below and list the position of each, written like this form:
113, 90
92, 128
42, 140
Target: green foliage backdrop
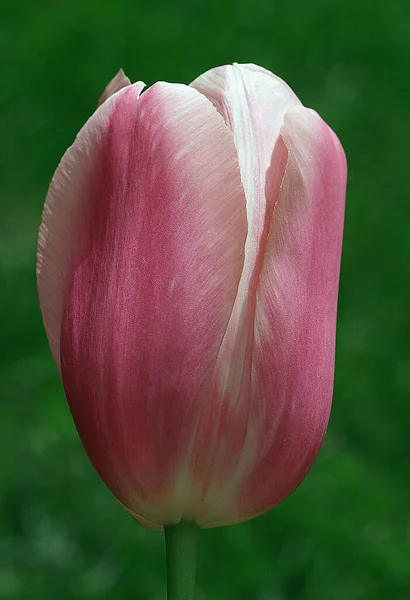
345, 533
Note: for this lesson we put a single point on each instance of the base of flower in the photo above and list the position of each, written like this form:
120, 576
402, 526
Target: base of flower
180, 544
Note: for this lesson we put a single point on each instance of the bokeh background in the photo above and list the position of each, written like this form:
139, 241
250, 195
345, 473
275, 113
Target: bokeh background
345, 533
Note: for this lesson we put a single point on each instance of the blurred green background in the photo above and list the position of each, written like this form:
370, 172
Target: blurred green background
345, 533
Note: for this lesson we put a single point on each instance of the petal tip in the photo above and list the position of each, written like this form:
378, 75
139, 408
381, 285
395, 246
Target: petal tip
119, 81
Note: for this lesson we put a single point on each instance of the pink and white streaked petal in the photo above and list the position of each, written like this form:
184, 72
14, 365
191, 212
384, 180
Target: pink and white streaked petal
156, 268
63, 209
226, 446
117, 83
295, 324
253, 103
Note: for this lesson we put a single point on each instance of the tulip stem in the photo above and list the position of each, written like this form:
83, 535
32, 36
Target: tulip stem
180, 544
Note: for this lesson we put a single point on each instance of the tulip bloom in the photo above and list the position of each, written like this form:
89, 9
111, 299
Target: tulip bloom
188, 269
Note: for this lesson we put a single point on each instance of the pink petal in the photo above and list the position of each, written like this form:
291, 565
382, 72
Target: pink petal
253, 103
225, 447
118, 82
155, 267
293, 361
61, 216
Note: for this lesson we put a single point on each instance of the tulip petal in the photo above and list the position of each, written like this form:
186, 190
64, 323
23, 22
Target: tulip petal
117, 83
225, 448
293, 361
253, 103
156, 264
61, 215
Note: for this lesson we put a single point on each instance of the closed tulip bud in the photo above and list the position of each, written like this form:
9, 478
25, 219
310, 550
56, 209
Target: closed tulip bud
188, 268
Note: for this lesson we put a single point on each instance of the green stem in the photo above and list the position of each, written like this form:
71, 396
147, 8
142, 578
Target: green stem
180, 544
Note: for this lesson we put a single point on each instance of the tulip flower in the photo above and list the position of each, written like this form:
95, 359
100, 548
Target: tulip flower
188, 269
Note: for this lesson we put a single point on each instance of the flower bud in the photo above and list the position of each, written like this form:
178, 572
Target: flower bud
188, 269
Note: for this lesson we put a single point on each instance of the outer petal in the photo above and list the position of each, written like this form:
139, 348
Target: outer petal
293, 361
155, 267
253, 103
225, 448
117, 83
62, 213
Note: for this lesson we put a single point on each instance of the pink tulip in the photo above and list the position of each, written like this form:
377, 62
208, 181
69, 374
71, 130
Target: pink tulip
188, 268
